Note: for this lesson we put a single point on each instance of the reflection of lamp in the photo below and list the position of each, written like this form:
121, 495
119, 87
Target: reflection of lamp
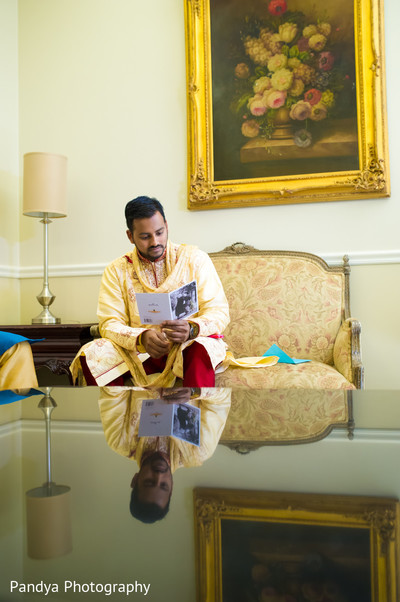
48, 507
45, 184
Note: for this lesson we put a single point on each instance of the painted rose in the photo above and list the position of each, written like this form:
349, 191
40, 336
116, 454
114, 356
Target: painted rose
313, 96
326, 61
278, 61
297, 87
261, 84
318, 112
328, 98
309, 31
282, 79
301, 110
275, 99
302, 138
250, 128
287, 32
317, 42
277, 7
324, 28
257, 105
242, 71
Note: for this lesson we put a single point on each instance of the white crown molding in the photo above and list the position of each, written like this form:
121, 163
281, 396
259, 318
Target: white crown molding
96, 269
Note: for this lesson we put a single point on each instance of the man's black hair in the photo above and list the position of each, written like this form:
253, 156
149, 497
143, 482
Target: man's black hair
142, 206
146, 512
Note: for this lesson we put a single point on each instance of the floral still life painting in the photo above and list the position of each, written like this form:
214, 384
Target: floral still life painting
295, 74
280, 93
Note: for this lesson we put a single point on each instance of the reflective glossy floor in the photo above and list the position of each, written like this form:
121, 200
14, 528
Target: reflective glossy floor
86, 440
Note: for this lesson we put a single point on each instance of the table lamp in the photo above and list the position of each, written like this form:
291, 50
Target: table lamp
44, 195
48, 514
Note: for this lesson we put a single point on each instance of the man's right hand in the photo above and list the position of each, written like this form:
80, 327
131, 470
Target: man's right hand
155, 343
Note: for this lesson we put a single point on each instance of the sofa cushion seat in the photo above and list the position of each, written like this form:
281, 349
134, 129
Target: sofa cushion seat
310, 375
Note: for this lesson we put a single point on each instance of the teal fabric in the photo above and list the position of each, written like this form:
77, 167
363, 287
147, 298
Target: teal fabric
8, 339
284, 358
9, 396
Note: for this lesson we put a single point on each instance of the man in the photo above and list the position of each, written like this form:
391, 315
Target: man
187, 349
159, 457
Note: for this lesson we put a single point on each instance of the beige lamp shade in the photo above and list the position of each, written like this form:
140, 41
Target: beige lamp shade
45, 185
49, 532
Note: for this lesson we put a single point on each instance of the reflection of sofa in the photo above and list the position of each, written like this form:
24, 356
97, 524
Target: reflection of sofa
298, 302
261, 417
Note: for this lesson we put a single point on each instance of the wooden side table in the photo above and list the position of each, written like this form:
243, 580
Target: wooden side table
61, 343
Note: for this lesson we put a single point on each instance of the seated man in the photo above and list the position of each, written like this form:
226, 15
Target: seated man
187, 349
17, 370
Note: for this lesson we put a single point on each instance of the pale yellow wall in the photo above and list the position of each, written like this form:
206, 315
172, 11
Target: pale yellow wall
9, 162
111, 95
104, 83
10, 301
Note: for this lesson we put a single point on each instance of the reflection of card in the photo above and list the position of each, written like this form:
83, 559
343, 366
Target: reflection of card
161, 419
181, 303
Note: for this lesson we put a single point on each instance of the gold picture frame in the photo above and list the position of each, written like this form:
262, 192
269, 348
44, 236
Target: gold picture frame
340, 151
289, 544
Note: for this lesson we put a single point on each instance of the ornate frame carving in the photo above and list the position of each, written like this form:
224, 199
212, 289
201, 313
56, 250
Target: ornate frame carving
370, 180
378, 516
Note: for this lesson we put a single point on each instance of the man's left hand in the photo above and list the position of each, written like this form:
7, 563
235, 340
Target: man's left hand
177, 331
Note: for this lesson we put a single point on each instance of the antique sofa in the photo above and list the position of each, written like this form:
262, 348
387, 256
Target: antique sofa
298, 302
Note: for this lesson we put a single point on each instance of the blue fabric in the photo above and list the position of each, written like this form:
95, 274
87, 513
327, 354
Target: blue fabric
9, 396
8, 339
284, 358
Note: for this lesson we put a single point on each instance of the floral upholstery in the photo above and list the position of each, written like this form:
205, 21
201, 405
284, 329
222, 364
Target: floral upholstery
310, 375
279, 416
295, 301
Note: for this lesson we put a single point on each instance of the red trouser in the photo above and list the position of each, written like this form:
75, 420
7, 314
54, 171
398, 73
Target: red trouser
197, 368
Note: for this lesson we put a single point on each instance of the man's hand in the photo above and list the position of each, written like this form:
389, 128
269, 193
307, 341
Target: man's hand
177, 331
156, 343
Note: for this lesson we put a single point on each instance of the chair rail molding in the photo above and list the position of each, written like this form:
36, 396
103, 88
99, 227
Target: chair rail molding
96, 269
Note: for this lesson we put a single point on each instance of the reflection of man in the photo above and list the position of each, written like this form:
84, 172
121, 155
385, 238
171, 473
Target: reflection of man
152, 488
17, 370
159, 457
187, 349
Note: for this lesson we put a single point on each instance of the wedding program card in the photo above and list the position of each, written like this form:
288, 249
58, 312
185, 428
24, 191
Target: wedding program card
181, 303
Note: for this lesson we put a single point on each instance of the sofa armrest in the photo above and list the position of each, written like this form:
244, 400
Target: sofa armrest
347, 352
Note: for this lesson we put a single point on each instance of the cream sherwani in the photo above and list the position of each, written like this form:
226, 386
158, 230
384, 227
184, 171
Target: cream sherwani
119, 322
120, 409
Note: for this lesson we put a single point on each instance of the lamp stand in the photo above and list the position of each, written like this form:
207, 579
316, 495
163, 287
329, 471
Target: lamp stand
46, 297
48, 514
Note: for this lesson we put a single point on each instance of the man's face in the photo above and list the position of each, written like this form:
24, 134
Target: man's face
154, 481
150, 235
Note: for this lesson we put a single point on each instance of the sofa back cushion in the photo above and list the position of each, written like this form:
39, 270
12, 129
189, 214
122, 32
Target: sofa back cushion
292, 299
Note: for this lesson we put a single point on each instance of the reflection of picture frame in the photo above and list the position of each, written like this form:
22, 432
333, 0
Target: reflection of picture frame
252, 545
344, 123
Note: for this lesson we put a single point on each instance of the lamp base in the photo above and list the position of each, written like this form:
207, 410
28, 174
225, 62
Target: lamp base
46, 317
